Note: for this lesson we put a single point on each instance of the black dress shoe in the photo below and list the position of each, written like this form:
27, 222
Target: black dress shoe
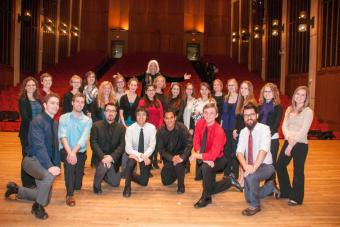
39, 211
12, 188
127, 192
198, 178
97, 191
250, 211
235, 182
180, 190
203, 202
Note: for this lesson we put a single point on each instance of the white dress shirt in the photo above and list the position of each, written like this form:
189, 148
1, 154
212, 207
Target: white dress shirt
132, 139
261, 141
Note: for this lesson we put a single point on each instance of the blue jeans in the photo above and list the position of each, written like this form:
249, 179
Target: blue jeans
252, 190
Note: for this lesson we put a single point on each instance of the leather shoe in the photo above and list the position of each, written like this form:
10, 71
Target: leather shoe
180, 190
235, 182
127, 192
97, 191
70, 201
39, 211
203, 202
250, 211
12, 188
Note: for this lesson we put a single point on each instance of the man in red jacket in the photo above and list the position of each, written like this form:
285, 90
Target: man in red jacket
209, 141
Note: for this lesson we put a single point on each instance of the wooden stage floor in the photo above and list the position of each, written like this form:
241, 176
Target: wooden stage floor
157, 205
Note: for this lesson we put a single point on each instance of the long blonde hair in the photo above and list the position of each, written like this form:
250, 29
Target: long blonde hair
294, 108
101, 99
276, 94
226, 98
241, 101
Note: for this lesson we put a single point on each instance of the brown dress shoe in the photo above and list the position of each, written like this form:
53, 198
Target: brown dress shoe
250, 211
70, 201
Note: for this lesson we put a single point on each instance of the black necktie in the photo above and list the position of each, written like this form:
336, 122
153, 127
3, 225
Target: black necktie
203, 143
53, 139
141, 142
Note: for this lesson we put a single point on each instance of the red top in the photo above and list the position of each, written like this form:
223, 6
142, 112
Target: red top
155, 113
215, 141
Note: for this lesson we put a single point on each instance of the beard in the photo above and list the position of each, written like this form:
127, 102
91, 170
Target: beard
250, 124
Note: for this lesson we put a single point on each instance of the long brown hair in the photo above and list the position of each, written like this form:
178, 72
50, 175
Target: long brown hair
241, 101
175, 102
149, 102
204, 84
23, 92
100, 97
294, 108
185, 97
276, 94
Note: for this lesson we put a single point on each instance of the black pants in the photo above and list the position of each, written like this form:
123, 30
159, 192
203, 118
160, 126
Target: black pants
142, 179
274, 148
27, 180
230, 154
170, 173
210, 186
298, 154
73, 173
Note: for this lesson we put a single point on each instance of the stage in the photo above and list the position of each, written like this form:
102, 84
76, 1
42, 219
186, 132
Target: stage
158, 205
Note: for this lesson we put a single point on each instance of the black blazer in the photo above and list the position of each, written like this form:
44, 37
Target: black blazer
107, 139
274, 118
67, 102
25, 111
125, 106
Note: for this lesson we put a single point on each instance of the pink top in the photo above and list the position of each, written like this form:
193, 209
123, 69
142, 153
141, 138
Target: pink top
155, 113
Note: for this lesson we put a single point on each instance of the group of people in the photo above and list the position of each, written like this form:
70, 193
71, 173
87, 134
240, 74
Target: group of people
230, 133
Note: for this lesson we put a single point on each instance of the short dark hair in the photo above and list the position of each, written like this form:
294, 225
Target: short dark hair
51, 95
249, 106
78, 94
110, 104
169, 110
142, 109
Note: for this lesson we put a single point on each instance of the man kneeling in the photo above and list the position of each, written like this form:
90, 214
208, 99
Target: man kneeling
107, 142
174, 143
140, 142
209, 141
43, 159
253, 153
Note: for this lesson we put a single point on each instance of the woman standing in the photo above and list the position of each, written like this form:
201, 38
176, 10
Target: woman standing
90, 90
153, 71
128, 103
189, 100
205, 98
160, 84
297, 121
75, 83
228, 118
105, 95
119, 82
29, 107
175, 101
219, 97
155, 113
270, 113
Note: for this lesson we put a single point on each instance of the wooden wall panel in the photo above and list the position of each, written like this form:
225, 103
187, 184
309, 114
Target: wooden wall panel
156, 26
295, 80
217, 27
49, 39
327, 105
94, 26
235, 28
75, 22
244, 25
194, 15
63, 38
